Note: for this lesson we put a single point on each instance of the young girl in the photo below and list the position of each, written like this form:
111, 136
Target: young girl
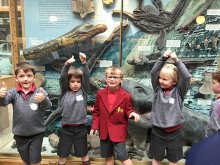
170, 83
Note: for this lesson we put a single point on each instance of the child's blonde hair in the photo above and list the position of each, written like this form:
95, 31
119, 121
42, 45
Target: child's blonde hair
114, 70
172, 70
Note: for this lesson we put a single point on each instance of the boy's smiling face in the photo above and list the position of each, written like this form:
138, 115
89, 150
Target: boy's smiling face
113, 81
167, 78
166, 81
25, 79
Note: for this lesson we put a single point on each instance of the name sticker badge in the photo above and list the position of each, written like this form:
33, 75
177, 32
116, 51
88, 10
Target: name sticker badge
79, 98
33, 106
172, 100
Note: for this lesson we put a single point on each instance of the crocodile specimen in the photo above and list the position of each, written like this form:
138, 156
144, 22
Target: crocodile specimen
151, 59
155, 20
73, 37
95, 53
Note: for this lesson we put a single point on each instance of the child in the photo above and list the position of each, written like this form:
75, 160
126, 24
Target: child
74, 84
29, 104
170, 83
214, 122
111, 112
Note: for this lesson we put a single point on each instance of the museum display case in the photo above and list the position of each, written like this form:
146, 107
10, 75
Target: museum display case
131, 34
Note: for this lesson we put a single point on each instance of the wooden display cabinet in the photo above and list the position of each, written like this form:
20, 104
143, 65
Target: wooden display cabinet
6, 114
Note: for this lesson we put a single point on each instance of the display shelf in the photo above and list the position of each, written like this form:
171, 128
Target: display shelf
6, 125
9, 80
6, 8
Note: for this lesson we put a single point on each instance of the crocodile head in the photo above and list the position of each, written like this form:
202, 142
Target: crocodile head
142, 96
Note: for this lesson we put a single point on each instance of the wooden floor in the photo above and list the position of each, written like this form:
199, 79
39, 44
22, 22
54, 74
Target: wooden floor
8, 159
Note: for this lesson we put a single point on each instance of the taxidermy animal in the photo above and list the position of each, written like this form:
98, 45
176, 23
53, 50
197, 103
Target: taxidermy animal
155, 20
83, 7
73, 37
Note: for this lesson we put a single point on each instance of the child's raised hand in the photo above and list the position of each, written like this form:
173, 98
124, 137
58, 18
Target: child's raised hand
93, 132
82, 57
135, 116
39, 97
90, 108
173, 57
3, 90
70, 61
167, 53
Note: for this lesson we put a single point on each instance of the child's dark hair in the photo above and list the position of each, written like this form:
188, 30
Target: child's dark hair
25, 66
216, 76
75, 72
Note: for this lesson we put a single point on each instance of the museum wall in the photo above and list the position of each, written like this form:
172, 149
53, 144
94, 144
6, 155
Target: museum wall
188, 27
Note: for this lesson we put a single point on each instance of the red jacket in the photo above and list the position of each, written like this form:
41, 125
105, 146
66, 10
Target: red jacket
113, 124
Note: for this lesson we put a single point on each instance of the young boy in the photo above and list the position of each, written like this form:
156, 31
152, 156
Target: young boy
214, 122
29, 104
74, 84
170, 83
111, 112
